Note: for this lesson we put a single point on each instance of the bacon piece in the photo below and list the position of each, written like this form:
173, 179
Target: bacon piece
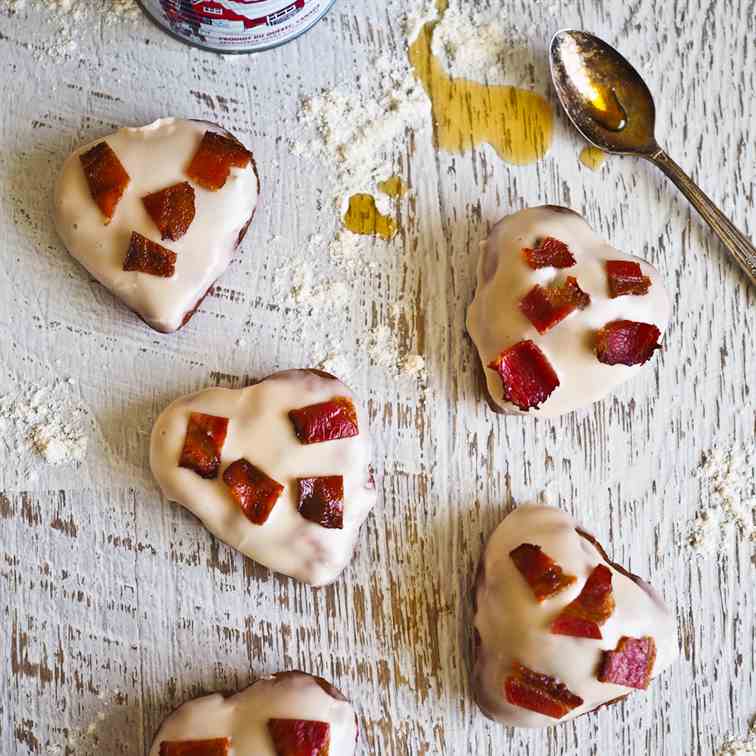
630, 664
205, 436
214, 747
106, 176
146, 256
626, 342
215, 156
300, 737
172, 209
626, 277
594, 605
327, 421
526, 375
252, 490
321, 500
538, 692
544, 307
550, 252
541, 572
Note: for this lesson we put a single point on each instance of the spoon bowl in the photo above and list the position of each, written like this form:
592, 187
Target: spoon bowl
603, 95
611, 106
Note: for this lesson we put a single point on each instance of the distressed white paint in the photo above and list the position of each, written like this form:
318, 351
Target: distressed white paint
116, 607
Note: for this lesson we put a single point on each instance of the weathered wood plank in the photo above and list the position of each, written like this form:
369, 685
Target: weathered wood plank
117, 607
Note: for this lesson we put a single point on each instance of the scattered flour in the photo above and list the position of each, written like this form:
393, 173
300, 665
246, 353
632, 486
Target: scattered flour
356, 127
65, 17
41, 423
356, 130
109, 11
729, 482
338, 365
745, 747
414, 20
478, 43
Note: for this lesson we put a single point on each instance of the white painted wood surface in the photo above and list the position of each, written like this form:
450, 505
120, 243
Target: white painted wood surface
116, 607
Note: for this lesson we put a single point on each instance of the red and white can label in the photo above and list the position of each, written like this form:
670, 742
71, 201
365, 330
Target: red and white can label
234, 26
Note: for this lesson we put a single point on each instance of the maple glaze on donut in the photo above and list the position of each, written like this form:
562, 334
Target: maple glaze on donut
560, 630
560, 318
145, 181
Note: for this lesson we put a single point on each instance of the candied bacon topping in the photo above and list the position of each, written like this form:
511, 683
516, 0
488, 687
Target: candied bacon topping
327, 421
252, 490
626, 277
544, 307
594, 605
300, 737
540, 693
146, 256
172, 209
541, 572
526, 375
106, 176
205, 436
321, 500
630, 664
626, 342
549, 252
213, 747
216, 155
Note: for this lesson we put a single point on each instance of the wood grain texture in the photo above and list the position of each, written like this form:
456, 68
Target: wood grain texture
117, 607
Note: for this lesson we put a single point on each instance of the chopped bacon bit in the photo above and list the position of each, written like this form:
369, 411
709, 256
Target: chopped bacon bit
205, 436
106, 176
300, 737
215, 156
540, 693
172, 209
626, 277
544, 307
583, 617
327, 421
526, 375
252, 490
214, 747
550, 252
630, 664
625, 342
321, 500
541, 572
146, 256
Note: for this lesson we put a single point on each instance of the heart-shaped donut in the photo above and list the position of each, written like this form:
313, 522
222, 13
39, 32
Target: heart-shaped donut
279, 470
155, 213
560, 317
288, 714
559, 629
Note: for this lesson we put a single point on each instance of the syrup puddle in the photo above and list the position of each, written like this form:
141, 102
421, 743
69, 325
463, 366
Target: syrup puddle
592, 157
363, 217
516, 122
393, 187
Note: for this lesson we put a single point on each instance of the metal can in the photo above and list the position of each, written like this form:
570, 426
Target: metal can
236, 26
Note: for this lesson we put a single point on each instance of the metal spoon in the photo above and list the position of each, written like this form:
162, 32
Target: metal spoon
610, 105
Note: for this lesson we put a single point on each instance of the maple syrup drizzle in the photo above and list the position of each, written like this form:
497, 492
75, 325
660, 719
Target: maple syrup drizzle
363, 217
516, 122
393, 187
606, 109
592, 157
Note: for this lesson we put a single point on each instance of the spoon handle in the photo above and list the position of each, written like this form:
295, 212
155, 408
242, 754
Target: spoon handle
740, 247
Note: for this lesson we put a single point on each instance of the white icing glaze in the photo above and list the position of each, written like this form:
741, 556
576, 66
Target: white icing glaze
513, 626
244, 717
155, 157
260, 430
495, 323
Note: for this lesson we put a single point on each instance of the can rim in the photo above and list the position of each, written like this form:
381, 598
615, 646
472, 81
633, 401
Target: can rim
261, 48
